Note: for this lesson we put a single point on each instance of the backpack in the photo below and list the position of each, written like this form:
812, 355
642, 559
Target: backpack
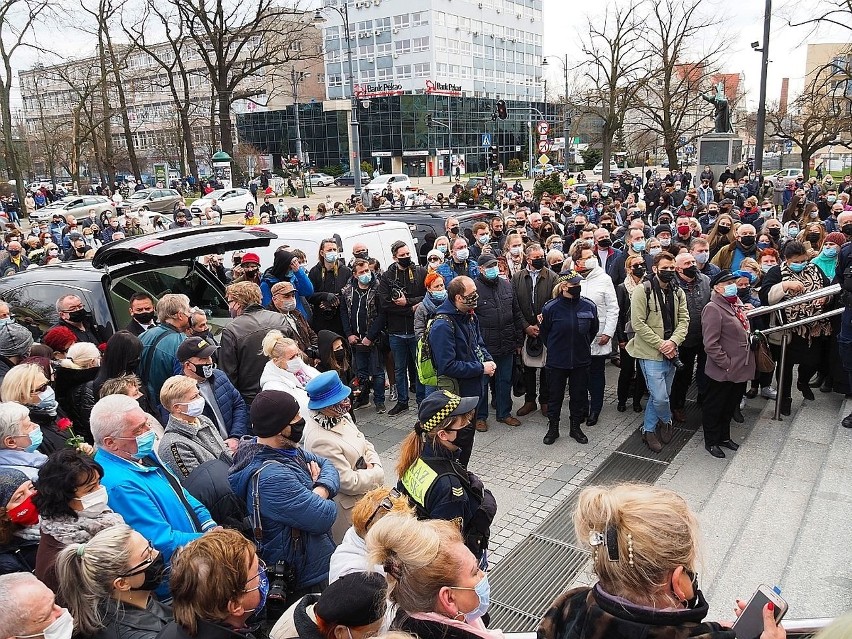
426, 372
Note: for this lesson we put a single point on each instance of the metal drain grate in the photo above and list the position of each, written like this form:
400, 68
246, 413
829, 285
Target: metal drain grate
634, 445
619, 467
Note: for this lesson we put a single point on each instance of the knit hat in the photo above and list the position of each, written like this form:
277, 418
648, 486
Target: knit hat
59, 338
355, 600
837, 237
435, 253
272, 411
431, 277
10, 480
15, 340
662, 228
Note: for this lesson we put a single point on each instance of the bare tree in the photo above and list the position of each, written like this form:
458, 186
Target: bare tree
238, 40
17, 19
670, 101
614, 65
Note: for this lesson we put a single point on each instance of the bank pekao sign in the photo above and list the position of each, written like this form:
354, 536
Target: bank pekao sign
377, 90
443, 88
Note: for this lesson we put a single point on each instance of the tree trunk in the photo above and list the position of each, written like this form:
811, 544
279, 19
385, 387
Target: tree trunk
606, 145
12, 167
108, 156
188, 143
122, 104
226, 131
806, 163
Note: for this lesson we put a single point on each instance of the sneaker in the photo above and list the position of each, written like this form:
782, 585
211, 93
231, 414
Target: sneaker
380, 409
396, 410
393, 395
742, 403
768, 392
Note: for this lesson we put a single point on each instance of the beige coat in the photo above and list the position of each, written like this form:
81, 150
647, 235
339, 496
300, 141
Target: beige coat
343, 445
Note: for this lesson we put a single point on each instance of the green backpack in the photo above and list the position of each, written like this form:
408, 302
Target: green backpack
426, 372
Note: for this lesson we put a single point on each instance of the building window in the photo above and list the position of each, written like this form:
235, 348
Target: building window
422, 70
440, 18
421, 44
365, 25
419, 18
384, 49
320, 78
384, 74
401, 21
403, 71
382, 24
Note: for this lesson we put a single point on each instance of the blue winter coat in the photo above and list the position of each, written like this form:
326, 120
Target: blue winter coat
231, 405
568, 328
300, 281
149, 504
458, 350
287, 502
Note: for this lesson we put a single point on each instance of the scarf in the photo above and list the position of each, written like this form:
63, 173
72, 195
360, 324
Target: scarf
811, 279
326, 422
738, 311
630, 285
475, 628
78, 531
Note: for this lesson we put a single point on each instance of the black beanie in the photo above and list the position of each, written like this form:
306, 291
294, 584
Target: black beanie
271, 412
355, 600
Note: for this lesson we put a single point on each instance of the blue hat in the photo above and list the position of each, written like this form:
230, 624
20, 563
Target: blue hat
325, 390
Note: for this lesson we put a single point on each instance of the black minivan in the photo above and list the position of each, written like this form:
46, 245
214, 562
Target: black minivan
156, 264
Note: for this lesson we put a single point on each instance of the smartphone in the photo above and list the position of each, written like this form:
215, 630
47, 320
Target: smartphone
749, 625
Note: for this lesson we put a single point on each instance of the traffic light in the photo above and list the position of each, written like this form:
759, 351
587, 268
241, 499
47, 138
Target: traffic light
494, 158
494, 116
501, 110
429, 119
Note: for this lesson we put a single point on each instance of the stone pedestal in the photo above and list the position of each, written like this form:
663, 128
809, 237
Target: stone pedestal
719, 150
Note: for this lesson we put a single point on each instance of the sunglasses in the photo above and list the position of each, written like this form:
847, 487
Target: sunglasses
41, 388
385, 504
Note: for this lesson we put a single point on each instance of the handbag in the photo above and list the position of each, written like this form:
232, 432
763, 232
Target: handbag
762, 355
519, 388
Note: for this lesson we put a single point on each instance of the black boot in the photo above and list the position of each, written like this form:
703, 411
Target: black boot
577, 433
552, 433
847, 421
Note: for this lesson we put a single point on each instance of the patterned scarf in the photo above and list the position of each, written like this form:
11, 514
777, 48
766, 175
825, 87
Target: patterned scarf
326, 422
738, 311
811, 279
78, 531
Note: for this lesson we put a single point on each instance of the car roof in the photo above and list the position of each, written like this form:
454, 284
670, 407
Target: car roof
424, 211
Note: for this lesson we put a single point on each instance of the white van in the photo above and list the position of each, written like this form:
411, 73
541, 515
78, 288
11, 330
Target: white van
380, 182
377, 235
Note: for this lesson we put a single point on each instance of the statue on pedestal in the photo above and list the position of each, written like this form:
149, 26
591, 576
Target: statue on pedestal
723, 109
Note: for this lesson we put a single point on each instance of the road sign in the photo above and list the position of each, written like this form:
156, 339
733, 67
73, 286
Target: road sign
689, 149
543, 128
544, 146
543, 159
788, 145
486, 139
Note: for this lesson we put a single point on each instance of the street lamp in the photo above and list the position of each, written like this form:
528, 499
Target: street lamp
319, 19
566, 116
764, 68
295, 78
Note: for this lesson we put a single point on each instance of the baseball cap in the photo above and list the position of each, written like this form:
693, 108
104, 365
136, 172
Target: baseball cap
195, 347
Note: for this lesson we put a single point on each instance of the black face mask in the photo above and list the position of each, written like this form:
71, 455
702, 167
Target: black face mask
776, 232
454, 230
846, 229
404, 262
537, 263
743, 293
153, 574
639, 270
145, 317
339, 356
556, 268
690, 271
608, 227
724, 230
573, 291
78, 315
666, 276
747, 240
813, 237
296, 430
498, 233
605, 243
362, 255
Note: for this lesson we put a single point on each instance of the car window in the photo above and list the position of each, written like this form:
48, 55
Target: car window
35, 306
75, 204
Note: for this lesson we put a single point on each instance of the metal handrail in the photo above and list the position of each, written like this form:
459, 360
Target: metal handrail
802, 322
828, 291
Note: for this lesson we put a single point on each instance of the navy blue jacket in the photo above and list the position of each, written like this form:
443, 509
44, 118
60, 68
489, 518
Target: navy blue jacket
231, 405
568, 328
458, 351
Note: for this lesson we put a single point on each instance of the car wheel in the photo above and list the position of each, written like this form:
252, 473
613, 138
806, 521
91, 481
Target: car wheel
144, 208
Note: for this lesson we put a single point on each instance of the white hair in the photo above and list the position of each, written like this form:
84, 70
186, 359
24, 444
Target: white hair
83, 352
14, 613
109, 416
11, 416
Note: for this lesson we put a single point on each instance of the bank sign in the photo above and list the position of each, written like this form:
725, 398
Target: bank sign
377, 90
443, 88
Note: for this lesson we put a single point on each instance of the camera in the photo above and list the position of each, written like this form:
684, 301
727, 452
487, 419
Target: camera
282, 580
676, 362
397, 292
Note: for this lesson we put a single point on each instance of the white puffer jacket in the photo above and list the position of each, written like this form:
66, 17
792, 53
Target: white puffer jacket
597, 286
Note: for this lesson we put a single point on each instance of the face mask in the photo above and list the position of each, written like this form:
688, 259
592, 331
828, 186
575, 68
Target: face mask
724, 229
263, 590
797, 267
24, 514
153, 574
47, 400
743, 293
557, 246
483, 593
339, 356
453, 230
638, 270
483, 239
792, 232
765, 267
295, 365
296, 430
492, 273
289, 304
438, 296
638, 247
776, 232
666, 276
604, 243
331, 257
94, 502
591, 264
471, 300
730, 292
145, 318
571, 291
61, 628
763, 245
747, 240
690, 271
812, 237
556, 267
830, 252
77, 316
712, 214
364, 278
599, 209
654, 251
683, 229
53, 252
195, 407
144, 445
462, 254
362, 255
443, 249
516, 250
404, 262
846, 229
14, 252
36, 437
537, 263
813, 214
666, 241
831, 199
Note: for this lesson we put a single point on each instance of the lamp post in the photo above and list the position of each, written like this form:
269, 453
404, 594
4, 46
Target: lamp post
353, 124
566, 117
764, 68
295, 78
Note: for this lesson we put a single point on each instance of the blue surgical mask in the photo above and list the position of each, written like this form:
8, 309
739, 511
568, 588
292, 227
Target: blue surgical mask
144, 445
7, 320
639, 246
483, 592
462, 254
484, 239
765, 267
730, 291
331, 257
438, 296
262, 588
655, 251
492, 273
47, 400
829, 251
36, 437
797, 267
365, 278
792, 231
443, 249
763, 245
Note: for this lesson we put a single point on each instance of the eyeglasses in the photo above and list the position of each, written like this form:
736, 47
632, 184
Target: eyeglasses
78, 307
386, 504
41, 388
261, 570
139, 568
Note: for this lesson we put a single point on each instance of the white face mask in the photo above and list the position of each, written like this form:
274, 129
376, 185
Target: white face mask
294, 365
95, 502
195, 407
61, 628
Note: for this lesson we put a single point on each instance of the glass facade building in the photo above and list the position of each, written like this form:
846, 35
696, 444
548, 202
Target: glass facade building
394, 135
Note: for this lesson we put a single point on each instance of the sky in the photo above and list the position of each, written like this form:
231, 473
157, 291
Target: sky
566, 20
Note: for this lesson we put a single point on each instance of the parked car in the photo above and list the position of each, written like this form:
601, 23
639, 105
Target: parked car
320, 179
785, 175
229, 200
77, 205
159, 263
379, 183
598, 170
348, 179
156, 200
543, 170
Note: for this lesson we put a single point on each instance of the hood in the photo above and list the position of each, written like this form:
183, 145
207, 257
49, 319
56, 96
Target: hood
67, 376
449, 308
324, 341
305, 626
249, 457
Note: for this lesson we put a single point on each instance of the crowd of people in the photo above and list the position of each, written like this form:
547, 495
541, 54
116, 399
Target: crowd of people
161, 481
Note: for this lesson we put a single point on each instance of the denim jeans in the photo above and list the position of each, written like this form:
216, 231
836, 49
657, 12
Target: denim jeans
369, 369
404, 349
659, 376
502, 389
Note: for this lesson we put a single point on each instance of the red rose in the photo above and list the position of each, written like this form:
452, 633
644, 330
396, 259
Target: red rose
64, 423
102, 347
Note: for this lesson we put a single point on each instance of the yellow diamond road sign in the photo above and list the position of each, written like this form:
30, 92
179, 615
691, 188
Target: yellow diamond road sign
543, 159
